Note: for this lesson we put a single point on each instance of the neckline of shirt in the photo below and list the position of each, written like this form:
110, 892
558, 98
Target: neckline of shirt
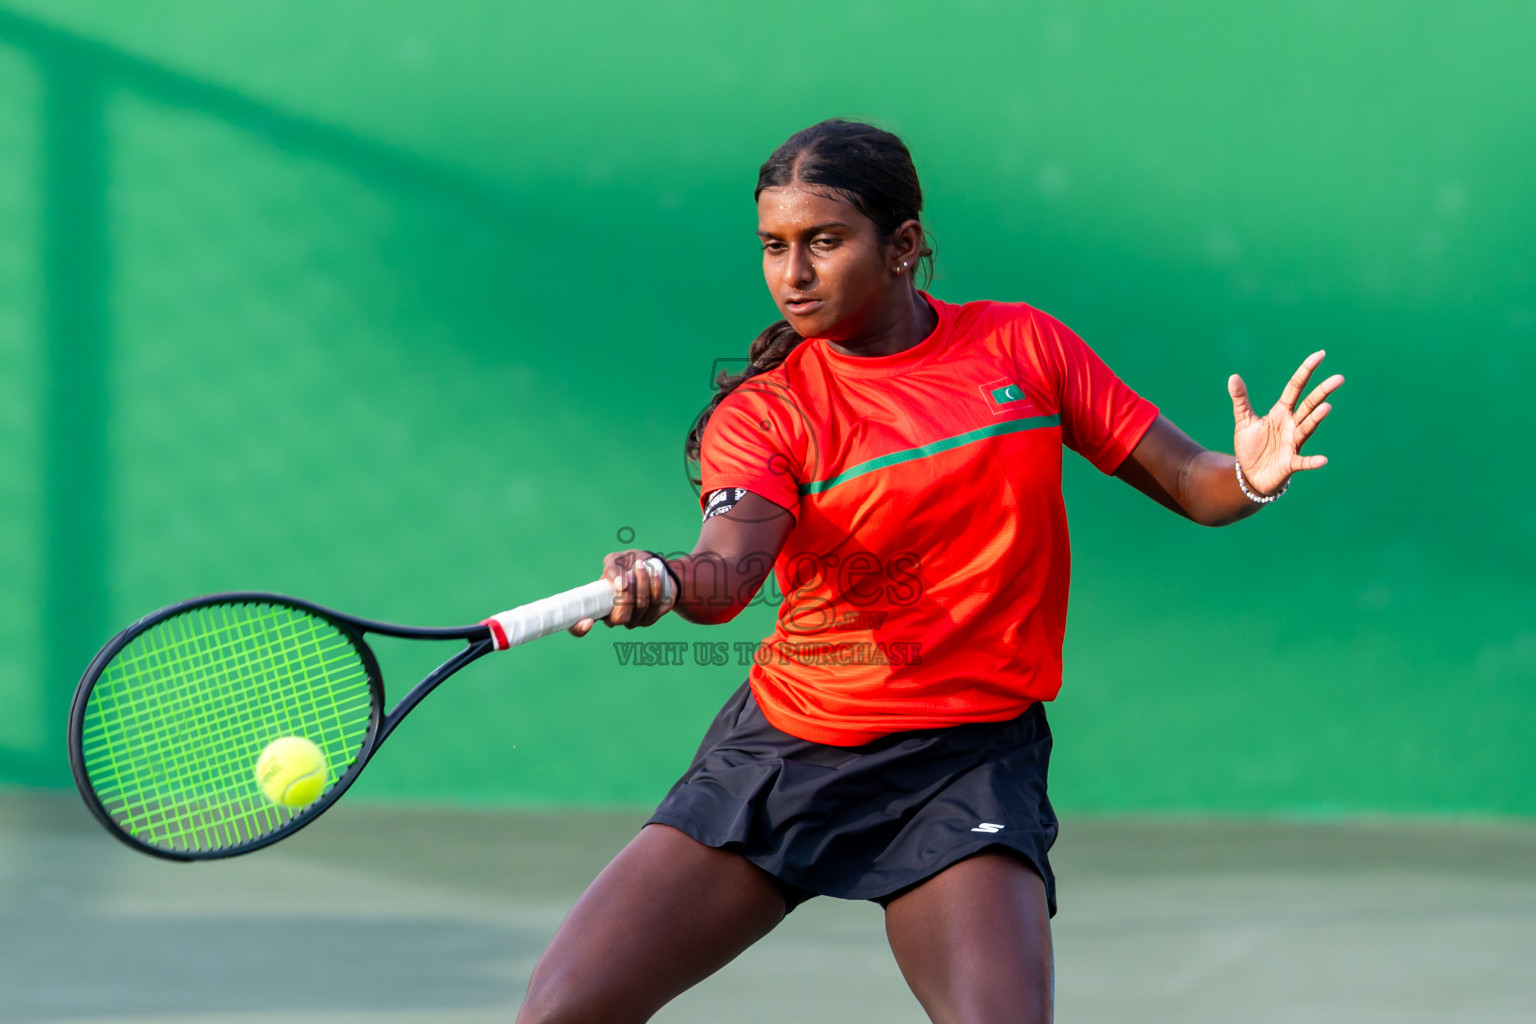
896, 362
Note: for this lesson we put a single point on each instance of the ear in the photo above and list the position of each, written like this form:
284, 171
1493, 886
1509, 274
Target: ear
906, 247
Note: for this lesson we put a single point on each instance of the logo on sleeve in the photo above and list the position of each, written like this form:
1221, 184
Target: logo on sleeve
1005, 396
723, 500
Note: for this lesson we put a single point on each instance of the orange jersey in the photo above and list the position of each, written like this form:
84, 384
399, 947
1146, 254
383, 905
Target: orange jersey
925, 580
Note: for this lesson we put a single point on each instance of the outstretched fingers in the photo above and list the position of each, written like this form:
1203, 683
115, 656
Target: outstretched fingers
1318, 396
1298, 381
1242, 408
1308, 424
1301, 463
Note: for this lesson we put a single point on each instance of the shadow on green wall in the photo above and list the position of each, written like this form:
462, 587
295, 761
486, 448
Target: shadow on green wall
79, 78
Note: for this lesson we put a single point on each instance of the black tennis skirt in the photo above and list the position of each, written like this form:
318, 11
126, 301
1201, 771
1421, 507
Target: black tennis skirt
867, 822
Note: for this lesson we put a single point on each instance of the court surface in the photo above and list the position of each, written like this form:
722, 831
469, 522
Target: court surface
403, 915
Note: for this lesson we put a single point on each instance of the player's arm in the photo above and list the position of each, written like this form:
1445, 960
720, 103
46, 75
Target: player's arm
1177, 472
734, 555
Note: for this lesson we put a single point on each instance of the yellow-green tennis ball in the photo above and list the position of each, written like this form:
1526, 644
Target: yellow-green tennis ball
292, 771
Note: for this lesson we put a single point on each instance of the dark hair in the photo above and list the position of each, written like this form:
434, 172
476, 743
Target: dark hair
869, 168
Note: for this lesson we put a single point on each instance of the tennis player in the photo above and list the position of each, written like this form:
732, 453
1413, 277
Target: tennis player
895, 460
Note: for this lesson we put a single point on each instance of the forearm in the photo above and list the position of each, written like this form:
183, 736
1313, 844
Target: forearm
1209, 493
1178, 473
714, 587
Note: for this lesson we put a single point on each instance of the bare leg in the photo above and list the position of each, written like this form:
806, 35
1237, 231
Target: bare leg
974, 943
663, 916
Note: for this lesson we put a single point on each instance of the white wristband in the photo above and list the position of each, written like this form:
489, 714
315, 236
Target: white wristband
1258, 499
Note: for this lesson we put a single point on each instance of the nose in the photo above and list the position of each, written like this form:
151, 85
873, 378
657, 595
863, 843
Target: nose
797, 270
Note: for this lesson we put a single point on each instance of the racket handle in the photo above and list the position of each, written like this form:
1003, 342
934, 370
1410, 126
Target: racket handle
562, 611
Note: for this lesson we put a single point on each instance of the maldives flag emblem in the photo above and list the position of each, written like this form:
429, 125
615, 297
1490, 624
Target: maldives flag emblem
1005, 396
1007, 393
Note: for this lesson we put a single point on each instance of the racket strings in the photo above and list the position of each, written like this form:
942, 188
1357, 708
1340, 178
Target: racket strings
175, 723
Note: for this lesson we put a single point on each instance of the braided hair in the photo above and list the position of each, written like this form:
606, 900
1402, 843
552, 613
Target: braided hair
866, 166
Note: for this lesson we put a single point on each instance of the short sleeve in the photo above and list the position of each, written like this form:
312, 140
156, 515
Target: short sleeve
748, 443
1102, 419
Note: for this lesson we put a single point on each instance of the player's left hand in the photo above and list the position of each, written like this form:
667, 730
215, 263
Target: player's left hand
1268, 447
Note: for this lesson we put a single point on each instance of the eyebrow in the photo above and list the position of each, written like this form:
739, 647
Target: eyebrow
811, 230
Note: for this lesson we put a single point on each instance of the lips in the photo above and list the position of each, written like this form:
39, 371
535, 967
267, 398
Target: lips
802, 306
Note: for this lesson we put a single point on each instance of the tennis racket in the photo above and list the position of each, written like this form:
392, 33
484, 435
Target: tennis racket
171, 715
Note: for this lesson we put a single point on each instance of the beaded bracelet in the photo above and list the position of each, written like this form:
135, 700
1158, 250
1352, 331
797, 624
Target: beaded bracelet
1255, 498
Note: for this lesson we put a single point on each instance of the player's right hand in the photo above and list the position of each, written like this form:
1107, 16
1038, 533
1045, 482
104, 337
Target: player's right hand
641, 593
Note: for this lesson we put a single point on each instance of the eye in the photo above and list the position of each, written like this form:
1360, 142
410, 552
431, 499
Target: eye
825, 242
772, 245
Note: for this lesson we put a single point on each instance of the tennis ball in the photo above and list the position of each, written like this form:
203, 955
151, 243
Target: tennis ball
292, 771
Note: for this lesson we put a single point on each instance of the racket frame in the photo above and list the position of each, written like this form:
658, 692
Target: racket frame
380, 725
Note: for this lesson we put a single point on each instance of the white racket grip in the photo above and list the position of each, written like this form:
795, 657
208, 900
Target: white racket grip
562, 611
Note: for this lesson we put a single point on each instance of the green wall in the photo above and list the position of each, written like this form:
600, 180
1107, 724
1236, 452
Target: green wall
405, 308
